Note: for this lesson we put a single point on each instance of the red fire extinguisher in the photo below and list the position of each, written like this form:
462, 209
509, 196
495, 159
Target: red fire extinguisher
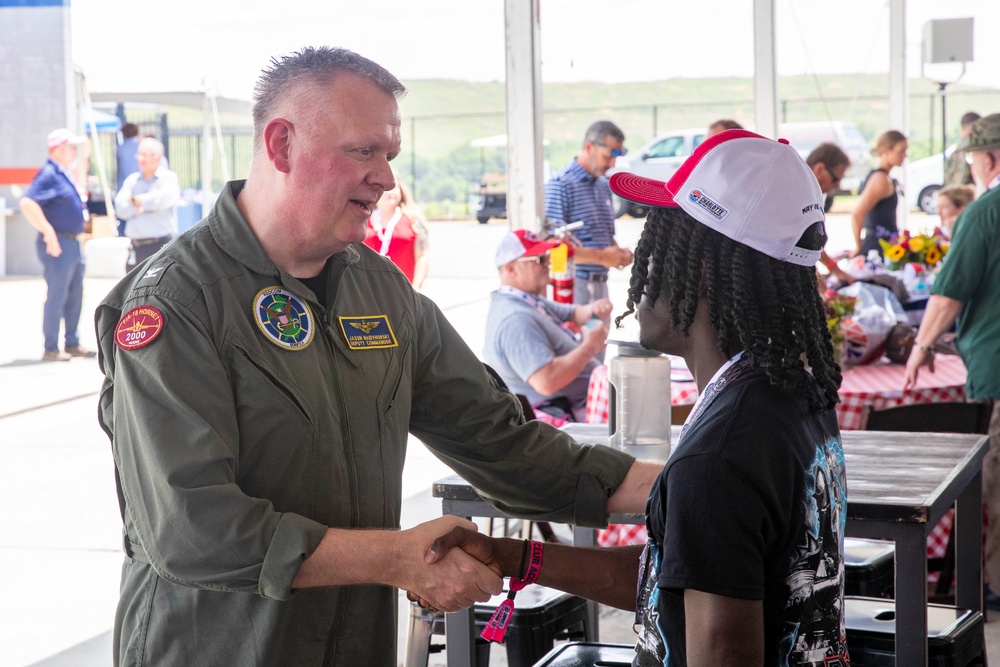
562, 269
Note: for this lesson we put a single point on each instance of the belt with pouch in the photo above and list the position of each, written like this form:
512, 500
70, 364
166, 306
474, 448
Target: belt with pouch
138, 243
594, 277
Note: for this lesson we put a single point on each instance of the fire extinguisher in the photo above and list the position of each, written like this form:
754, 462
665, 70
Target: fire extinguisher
562, 265
562, 269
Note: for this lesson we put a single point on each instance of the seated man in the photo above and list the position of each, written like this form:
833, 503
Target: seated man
525, 340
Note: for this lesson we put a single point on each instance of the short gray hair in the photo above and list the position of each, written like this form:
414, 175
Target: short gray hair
601, 129
312, 65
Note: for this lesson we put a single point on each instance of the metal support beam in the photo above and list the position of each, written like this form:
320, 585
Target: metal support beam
899, 93
525, 193
765, 78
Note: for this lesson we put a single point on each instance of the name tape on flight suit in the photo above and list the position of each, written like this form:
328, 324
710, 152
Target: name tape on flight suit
138, 328
370, 332
284, 318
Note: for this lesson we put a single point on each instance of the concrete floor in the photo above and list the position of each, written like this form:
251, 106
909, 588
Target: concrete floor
60, 552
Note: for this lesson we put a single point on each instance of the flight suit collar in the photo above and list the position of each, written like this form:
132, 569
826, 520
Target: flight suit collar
233, 234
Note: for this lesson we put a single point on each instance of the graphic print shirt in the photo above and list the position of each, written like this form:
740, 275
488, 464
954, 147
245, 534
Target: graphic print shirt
751, 505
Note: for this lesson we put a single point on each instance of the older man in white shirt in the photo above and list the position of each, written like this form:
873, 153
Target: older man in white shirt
147, 201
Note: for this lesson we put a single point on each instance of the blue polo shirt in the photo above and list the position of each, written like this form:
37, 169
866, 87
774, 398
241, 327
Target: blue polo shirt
573, 195
53, 190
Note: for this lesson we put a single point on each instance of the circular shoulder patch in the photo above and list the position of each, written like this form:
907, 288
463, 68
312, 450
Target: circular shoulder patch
138, 327
284, 318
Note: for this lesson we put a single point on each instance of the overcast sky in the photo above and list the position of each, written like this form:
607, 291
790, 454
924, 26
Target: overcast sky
130, 45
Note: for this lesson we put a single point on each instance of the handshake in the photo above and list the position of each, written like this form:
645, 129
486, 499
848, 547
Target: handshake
461, 566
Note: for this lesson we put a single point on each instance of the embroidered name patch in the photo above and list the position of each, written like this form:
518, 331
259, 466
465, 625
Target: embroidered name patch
138, 327
283, 318
714, 208
367, 333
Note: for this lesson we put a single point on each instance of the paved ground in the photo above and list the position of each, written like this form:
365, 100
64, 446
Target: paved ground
59, 526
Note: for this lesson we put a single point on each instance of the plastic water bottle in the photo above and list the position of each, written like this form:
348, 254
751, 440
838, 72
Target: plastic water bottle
639, 402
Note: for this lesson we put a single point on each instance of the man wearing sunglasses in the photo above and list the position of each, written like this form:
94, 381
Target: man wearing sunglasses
526, 343
580, 192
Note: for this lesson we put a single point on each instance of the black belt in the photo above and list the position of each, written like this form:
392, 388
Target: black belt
138, 243
594, 277
67, 235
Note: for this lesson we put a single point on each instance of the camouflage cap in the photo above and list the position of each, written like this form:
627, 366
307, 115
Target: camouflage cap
984, 135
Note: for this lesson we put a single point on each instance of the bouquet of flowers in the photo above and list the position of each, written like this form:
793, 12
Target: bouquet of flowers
839, 307
904, 248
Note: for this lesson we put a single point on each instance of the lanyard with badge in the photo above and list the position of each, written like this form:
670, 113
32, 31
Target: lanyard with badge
385, 234
535, 303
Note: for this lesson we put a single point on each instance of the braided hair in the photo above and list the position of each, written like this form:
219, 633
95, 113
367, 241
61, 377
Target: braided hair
771, 309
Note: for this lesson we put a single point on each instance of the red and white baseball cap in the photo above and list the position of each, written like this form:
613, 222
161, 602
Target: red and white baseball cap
62, 136
521, 243
754, 190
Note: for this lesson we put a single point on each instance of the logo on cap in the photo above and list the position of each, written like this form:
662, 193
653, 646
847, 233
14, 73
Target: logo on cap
715, 209
284, 318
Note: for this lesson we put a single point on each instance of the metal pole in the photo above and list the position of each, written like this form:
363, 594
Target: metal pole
944, 117
930, 125
413, 157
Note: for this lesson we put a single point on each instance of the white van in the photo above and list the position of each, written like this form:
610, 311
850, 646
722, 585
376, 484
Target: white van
805, 137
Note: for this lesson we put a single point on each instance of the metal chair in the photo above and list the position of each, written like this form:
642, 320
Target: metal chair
951, 417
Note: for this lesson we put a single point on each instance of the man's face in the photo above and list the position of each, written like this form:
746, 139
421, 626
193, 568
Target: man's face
530, 274
829, 179
343, 138
148, 158
985, 165
65, 153
598, 155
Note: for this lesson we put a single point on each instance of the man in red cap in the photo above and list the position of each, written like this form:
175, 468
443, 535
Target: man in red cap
53, 206
526, 342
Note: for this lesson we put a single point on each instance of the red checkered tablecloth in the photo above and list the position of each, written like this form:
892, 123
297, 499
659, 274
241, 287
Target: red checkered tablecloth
681, 393
882, 386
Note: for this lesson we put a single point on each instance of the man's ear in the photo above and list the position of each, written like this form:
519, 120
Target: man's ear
278, 143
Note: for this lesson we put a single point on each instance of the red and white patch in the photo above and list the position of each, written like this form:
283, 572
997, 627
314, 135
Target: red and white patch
138, 328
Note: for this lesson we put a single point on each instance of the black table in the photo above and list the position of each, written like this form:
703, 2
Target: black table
899, 486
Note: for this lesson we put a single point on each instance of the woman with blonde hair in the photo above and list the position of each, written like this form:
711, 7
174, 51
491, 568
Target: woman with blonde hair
951, 201
875, 213
397, 230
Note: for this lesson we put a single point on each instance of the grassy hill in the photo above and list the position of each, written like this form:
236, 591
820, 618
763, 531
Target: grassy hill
441, 117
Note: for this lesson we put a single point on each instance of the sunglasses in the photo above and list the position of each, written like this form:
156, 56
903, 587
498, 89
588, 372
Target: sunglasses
836, 179
615, 152
540, 260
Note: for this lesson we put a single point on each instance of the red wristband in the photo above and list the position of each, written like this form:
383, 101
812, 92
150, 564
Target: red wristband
496, 627
830, 263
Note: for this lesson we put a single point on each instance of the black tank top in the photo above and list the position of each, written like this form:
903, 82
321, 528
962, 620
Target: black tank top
881, 220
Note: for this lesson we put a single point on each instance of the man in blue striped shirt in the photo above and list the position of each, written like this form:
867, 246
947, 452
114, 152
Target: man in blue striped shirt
580, 192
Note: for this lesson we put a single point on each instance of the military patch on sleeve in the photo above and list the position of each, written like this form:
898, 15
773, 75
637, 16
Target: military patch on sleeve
283, 318
138, 328
369, 332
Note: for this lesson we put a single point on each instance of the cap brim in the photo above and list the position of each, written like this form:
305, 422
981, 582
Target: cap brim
540, 248
640, 189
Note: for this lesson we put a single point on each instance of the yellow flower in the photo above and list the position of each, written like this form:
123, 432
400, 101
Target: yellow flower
895, 253
933, 256
916, 244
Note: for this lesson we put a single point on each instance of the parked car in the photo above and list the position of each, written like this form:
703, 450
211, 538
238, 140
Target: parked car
659, 159
923, 180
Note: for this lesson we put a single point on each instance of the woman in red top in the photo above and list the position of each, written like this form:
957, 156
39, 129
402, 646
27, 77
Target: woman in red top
397, 231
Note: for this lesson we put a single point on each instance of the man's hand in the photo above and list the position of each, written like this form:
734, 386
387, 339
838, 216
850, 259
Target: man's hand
452, 582
600, 309
490, 551
625, 257
52, 246
595, 336
918, 357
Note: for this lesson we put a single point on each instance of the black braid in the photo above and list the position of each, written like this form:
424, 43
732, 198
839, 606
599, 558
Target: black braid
769, 308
